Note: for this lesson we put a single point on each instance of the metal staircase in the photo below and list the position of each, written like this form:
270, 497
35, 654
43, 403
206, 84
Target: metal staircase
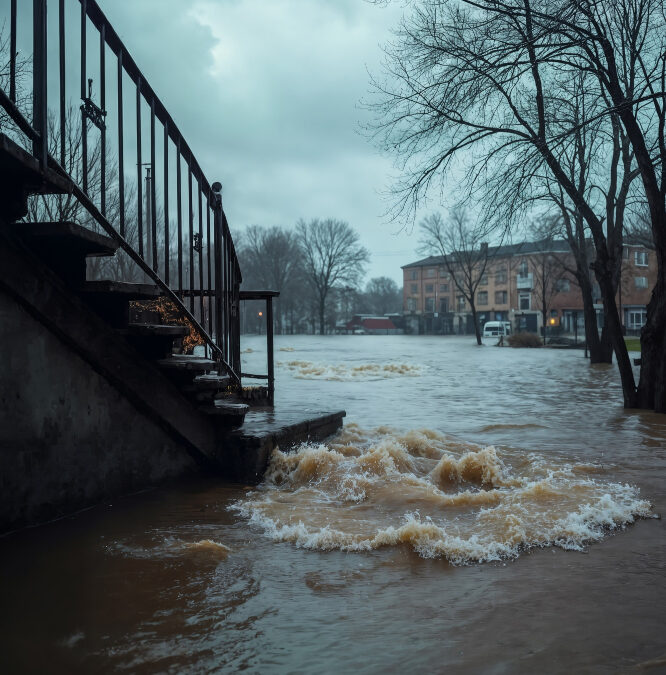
170, 224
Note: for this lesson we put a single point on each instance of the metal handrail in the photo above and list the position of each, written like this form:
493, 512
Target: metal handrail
267, 296
219, 275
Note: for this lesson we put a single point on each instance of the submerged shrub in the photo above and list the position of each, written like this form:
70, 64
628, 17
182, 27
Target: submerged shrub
524, 340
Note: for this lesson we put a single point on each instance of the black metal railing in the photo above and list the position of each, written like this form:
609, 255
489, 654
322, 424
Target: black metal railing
176, 232
267, 296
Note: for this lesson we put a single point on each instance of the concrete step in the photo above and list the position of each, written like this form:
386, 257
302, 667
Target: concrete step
229, 415
186, 363
207, 388
21, 176
153, 341
64, 247
181, 369
111, 299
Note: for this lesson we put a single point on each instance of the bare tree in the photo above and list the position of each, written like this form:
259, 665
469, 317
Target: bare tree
464, 248
474, 81
271, 259
332, 256
382, 296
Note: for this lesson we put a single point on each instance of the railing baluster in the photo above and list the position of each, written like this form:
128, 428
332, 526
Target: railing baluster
208, 286
84, 122
191, 222
166, 202
139, 177
269, 348
179, 206
63, 109
12, 52
121, 159
217, 230
201, 271
39, 99
102, 105
153, 180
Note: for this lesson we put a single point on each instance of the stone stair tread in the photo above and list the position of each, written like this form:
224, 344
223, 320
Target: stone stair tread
185, 362
225, 408
162, 330
209, 381
66, 235
20, 166
127, 290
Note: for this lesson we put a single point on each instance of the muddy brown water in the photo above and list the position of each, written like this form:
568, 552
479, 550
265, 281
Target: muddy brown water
485, 510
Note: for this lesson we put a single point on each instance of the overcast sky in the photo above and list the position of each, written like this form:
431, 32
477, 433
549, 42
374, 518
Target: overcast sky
267, 94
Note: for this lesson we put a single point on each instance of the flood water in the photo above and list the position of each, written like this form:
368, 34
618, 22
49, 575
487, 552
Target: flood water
484, 510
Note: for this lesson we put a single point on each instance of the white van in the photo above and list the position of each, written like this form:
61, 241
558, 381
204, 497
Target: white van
496, 328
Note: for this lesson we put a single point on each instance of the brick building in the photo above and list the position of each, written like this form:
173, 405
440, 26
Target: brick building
513, 286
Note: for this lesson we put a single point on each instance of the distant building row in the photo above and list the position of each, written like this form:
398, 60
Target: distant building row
508, 291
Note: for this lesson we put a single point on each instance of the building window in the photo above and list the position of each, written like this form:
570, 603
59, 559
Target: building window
500, 276
482, 298
431, 273
636, 318
430, 304
501, 297
641, 282
443, 273
460, 300
429, 288
524, 269
562, 285
443, 305
641, 258
625, 253
483, 281
524, 300
415, 289
411, 304
415, 275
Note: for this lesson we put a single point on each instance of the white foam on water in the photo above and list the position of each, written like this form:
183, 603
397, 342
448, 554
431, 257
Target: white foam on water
307, 370
363, 490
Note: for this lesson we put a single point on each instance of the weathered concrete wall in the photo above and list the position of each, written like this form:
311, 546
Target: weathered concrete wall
67, 437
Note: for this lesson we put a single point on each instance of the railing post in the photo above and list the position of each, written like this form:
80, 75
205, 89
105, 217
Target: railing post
269, 348
39, 100
235, 322
217, 252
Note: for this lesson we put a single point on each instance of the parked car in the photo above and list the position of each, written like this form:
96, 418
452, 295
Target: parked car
496, 328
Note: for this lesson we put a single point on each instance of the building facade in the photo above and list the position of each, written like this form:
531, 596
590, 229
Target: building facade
517, 282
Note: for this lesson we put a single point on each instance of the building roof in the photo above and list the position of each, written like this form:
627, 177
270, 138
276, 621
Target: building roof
523, 248
378, 324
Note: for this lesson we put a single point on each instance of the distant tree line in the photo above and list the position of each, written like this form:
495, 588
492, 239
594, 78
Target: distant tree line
318, 266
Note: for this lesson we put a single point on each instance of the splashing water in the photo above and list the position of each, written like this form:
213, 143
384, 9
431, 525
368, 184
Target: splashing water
342, 372
466, 503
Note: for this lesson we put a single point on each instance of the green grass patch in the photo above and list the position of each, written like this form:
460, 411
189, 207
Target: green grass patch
633, 344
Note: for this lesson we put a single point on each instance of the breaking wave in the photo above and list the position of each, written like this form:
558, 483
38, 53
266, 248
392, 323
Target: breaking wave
369, 371
367, 489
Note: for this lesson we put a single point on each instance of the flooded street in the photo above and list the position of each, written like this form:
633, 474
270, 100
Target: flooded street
484, 510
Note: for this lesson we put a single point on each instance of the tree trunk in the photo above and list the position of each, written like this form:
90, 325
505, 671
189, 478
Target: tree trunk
322, 312
652, 384
543, 323
591, 330
477, 330
605, 345
619, 346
